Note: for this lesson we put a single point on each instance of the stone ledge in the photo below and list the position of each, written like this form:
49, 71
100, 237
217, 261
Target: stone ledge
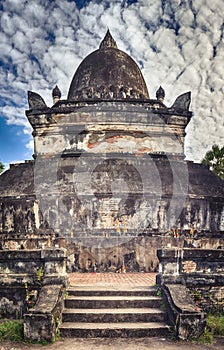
52, 260
191, 254
181, 298
42, 321
56, 279
184, 317
203, 279
47, 300
30, 255
11, 280
191, 279
202, 254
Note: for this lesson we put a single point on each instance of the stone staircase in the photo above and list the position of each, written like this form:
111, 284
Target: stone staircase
113, 312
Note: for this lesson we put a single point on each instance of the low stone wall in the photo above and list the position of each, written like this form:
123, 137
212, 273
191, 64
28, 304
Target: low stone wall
42, 321
201, 273
138, 254
108, 254
23, 273
185, 318
192, 266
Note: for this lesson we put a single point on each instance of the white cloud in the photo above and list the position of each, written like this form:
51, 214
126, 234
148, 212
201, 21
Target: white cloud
29, 145
179, 44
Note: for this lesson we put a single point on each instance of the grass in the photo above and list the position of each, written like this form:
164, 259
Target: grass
215, 324
205, 338
12, 330
214, 327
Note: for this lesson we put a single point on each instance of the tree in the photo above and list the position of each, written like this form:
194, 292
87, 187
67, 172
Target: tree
215, 160
1, 167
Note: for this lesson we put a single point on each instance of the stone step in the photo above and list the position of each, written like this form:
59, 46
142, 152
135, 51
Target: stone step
109, 291
105, 302
113, 315
114, 330
102, 311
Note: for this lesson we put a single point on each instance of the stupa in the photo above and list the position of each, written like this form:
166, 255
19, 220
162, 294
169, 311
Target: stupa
109, 165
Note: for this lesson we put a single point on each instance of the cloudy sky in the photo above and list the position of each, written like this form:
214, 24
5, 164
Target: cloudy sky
178, 44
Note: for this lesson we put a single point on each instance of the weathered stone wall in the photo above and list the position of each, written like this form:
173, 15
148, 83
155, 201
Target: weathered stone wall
42, 321
112, 169
136, 253
105, 214
201, 270
144, 126
28, 261
18, 215
186, 319
188, 261
23, 273
116, 196
108, 254
117, 167
209, 298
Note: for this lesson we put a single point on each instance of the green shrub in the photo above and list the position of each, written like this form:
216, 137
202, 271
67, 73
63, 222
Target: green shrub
11, 330
215, 324
214, 327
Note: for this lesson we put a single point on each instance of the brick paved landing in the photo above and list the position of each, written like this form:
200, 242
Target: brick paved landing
113, 279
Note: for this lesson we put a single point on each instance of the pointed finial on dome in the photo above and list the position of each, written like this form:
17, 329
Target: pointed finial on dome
108, 41
56, 94
160, 94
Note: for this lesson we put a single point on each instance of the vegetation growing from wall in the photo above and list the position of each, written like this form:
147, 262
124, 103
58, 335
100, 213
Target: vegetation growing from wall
214, 307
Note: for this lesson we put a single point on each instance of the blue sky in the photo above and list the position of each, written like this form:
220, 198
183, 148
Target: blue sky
13, 143
179, 44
